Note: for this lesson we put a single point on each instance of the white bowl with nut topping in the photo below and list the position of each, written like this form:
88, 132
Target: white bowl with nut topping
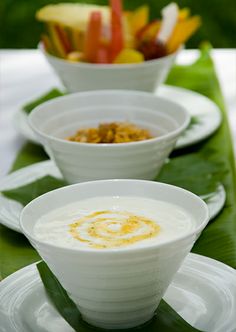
56, 120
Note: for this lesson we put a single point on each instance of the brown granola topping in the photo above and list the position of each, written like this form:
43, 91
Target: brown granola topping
114, 132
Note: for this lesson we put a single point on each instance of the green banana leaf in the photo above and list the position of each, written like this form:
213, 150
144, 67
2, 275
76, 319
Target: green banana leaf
50, 95
179, 171
165, 318
25, 194
29, 154
186, 170
218, 240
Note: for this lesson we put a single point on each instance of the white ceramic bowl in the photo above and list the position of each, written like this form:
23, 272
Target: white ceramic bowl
116, 288
63, 116
81, 76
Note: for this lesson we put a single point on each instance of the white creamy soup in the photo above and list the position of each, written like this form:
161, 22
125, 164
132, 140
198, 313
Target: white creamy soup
113, 222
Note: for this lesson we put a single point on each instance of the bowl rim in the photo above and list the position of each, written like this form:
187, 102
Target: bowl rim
117, 251
108, 66
160, 138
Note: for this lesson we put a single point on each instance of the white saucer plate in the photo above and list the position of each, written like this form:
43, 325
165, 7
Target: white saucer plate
203, 292
206, 111
10, 210
199, 106
20, 120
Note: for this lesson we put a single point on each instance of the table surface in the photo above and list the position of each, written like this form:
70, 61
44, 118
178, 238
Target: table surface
22, 78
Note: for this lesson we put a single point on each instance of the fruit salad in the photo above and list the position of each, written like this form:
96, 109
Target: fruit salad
111, 35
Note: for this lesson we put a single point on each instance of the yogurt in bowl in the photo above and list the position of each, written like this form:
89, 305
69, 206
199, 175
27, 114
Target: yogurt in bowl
115, 245
113, 222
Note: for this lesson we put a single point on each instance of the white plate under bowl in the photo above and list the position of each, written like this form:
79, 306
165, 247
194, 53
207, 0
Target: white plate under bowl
203, 292
207, 112
197, 105
21, 124
10, 210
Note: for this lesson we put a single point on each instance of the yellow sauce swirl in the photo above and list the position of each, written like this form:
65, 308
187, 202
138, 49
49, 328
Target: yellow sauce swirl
112, 229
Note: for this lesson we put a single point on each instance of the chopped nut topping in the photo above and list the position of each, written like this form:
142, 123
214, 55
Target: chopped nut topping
114, 132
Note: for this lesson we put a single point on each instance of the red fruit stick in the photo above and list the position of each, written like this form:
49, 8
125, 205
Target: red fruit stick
92, 37
63, 38
102, 55
117, 39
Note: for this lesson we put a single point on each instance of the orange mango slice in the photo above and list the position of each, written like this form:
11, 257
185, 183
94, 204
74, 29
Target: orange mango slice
182, 31
183, 13
149, 31
138, 18
129, 55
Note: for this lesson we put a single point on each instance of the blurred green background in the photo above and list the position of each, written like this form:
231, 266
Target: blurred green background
18, 28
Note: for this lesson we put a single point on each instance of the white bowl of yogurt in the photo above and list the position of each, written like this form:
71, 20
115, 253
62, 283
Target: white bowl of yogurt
115, 245
55, 120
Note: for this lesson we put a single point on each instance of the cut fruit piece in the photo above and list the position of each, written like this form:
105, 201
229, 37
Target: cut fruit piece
152, 49
93, 37
74, 56
170, 17
76, 38
149, 31
47, 44
129, 56
56, 41
72, 15
103, 55
183, 30
129, 37
183, 13
117, 40
138, 19
62, 35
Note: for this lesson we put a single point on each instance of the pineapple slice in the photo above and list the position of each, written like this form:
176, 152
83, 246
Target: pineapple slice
71, 14
129, 56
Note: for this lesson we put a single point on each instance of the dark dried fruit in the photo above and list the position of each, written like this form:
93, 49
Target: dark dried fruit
152, 49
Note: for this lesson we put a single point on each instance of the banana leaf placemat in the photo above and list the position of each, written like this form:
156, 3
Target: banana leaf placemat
212, 158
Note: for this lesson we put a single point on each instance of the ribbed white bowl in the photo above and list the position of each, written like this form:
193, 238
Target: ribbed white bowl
57, 119
116, 288
81, 76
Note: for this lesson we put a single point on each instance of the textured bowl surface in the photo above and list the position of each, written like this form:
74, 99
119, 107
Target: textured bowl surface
116, 288
57, 119
145, 76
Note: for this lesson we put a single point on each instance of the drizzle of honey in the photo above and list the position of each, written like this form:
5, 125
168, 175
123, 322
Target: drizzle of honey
101, 227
